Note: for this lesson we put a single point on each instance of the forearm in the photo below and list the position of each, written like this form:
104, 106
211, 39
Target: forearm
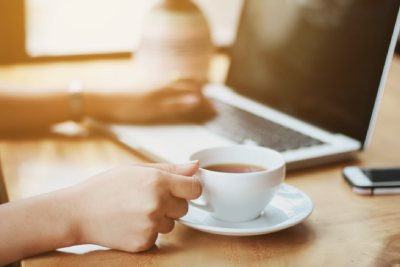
24, 108
38, 224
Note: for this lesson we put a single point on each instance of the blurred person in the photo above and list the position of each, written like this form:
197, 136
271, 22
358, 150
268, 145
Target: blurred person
124, 208
29, 108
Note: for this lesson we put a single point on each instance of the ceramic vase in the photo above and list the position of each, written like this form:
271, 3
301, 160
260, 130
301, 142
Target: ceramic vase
175, 42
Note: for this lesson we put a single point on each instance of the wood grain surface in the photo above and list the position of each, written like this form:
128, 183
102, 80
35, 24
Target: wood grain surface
344, 229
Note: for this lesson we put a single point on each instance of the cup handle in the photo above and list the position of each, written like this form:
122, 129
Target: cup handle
203, 206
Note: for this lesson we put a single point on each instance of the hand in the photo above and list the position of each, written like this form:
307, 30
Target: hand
125, 208
181, 100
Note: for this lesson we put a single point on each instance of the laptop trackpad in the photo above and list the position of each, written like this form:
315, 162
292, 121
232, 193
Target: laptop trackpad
169, 143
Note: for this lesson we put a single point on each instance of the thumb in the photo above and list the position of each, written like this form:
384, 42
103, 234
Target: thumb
186, 169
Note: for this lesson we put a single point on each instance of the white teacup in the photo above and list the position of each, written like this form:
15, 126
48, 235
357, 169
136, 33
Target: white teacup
238, 197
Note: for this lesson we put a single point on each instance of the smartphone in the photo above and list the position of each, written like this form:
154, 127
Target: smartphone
373, 181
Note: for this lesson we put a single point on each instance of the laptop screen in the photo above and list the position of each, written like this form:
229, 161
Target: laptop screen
318, 60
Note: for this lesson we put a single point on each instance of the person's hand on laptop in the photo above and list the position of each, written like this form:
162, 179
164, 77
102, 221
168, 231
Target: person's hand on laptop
180, 100
124, 208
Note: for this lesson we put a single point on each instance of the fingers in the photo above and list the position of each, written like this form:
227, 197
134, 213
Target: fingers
180, 96
178, 105
182, 100
186, 169
191, 107
177, 178
183, 186
145, 243
178, 88
166, 225
177, 208
187, 84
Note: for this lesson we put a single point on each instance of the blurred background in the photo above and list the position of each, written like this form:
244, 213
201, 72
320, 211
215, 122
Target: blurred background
57, 29
37, 30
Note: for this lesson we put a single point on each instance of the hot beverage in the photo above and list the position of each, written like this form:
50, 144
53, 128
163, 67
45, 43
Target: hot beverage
239, 189
234, 168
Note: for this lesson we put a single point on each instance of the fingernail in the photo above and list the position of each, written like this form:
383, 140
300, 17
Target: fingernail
191, 162
191, 100
186, 167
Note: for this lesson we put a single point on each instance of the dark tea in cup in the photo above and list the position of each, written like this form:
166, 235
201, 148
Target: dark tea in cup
234, 168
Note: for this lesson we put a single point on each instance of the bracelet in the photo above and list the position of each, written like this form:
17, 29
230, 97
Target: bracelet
75, 89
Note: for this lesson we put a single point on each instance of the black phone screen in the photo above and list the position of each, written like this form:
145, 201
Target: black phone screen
382, 175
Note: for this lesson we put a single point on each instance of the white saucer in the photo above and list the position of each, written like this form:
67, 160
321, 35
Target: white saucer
289, 207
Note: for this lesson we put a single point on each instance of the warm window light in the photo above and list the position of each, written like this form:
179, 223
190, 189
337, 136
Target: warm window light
61, 27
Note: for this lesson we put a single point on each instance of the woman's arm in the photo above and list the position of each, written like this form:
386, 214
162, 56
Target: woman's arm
37, 224
124, 208
23, 108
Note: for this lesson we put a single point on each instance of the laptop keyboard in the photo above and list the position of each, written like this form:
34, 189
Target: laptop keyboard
247, 128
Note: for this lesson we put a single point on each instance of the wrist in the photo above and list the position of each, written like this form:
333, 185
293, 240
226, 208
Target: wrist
93, 103
79, 215
71, 215
75, 88
109, 104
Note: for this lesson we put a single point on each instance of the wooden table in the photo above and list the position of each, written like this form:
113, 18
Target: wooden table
344, 229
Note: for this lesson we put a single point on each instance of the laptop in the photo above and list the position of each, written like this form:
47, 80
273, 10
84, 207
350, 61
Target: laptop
306, 79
